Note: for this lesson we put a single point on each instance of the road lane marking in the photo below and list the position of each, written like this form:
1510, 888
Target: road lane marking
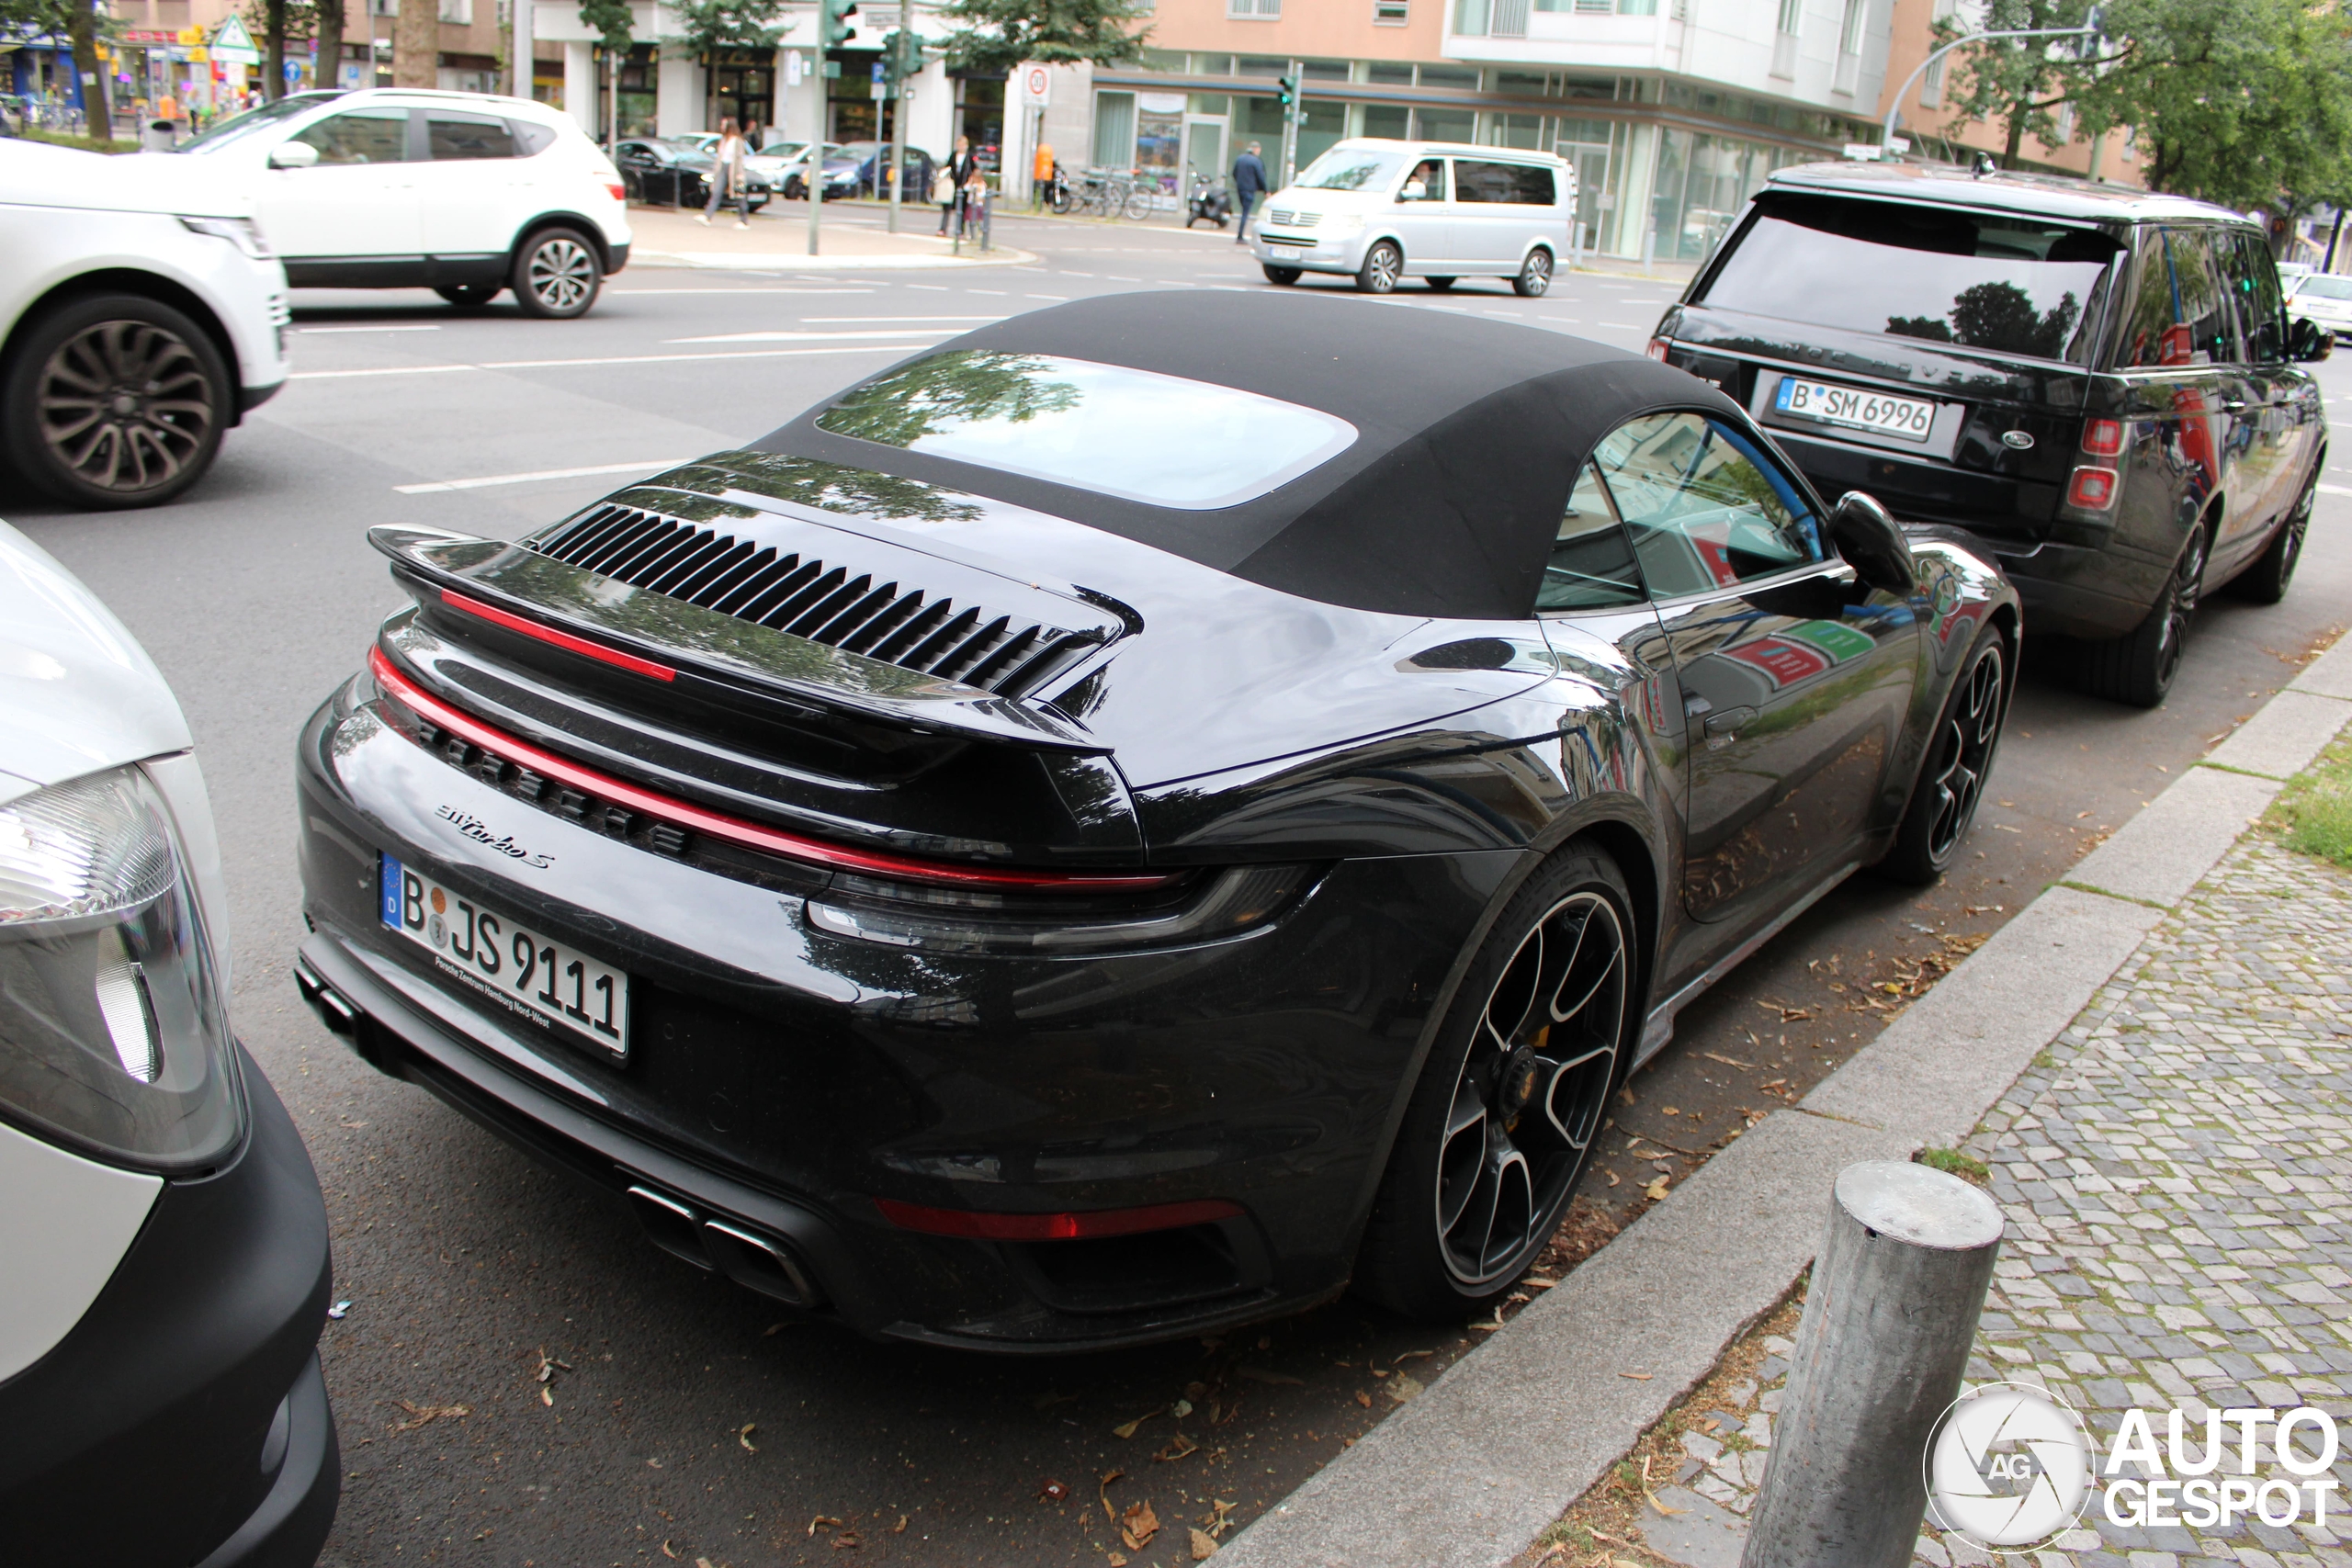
2334, 490
636, 293
815, 337
436, 485
614, 359
850, 321
419, 327
1056, 298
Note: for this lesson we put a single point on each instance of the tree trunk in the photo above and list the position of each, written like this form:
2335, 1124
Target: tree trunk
2017, 137
328, 72
97, 118
273, 50
416, 44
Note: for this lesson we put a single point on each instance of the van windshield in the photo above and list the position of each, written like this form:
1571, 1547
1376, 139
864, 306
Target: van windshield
2014, 284
1351, 168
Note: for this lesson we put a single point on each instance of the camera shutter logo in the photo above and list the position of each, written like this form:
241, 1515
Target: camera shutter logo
2008, 1467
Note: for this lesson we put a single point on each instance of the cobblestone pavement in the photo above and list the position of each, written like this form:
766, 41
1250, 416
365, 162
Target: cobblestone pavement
2176, 1172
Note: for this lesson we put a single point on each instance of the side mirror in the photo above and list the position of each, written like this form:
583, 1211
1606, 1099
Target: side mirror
293, 155
1867, 536
2308, 341
1414, 191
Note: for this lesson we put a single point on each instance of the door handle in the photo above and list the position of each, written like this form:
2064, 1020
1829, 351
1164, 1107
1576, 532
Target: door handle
1729, 722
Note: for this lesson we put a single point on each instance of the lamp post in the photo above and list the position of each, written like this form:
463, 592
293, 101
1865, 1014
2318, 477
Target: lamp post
2090, 29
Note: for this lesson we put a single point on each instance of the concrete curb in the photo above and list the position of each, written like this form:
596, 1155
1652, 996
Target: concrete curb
1471, 1471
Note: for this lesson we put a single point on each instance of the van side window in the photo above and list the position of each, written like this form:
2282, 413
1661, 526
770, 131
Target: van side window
1592, 565
1520, 185
1426, 183
2180, 314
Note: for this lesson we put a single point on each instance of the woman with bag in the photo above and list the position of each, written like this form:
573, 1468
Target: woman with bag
727, 177
948, 189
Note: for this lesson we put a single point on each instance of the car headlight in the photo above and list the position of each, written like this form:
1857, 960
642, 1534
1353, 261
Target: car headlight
114, 1037
242, 233
1339, 225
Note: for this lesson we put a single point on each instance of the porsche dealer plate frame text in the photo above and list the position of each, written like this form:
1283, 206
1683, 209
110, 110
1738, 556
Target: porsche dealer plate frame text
548, 981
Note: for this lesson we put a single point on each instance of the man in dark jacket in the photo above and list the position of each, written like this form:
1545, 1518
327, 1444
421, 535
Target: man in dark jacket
1248, 185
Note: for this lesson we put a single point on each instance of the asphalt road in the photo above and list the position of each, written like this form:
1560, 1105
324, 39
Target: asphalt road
678, 1420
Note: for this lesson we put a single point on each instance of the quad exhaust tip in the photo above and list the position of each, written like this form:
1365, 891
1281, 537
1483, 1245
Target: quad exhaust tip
333, 1009
755, 1262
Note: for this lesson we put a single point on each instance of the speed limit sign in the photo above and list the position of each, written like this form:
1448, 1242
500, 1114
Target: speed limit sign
1036, 84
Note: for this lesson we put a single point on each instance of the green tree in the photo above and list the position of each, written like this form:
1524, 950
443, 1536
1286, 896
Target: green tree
709, 26
998, 35
79, 22
612, 21
2247, 103
2020, 83
277, 23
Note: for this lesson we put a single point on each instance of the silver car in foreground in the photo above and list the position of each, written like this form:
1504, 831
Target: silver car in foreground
1382, 212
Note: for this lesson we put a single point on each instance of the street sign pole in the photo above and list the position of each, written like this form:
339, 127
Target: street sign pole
898, 174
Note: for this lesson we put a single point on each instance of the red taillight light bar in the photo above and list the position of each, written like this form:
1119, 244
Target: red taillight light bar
734, 829
2103, 437
1657, 348
2092, 489
620, 192
1083, 1225
565, 641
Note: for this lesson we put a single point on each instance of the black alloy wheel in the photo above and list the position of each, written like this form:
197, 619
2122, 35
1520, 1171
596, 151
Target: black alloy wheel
1438, 285
1535, 279
2265, 582
1959, 758
2139, 667
1285, 275
468, 296
1503, 1120
115, 400
556, 274
1383, 265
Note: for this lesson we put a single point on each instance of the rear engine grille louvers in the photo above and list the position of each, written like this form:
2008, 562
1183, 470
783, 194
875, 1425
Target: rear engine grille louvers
837, 606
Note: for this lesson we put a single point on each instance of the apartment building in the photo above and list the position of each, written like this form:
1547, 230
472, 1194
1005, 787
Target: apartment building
1927, 119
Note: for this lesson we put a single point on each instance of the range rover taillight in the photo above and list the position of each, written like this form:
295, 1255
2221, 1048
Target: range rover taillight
1658, 347
2097, 478
2092, 489
2102, 437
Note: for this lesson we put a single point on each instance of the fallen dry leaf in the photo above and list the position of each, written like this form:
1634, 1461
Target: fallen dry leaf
1667, 1111
667, 1552
1613, 1177
1404, 1356
1204, 1545
823, 1519
1638, 1377
1726, 1061
425, 1415
1178, 1448
1117, 1561
1104, 1492
901, 1528
1128, 1428
1139, 1525
1656, 1191
1223, 1516
743, 1435
773, 1329
547, 1394
1363, 1399
847, 1541
1403, 1386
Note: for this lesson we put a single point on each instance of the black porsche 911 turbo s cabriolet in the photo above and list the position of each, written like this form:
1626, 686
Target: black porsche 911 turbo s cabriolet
1136, 818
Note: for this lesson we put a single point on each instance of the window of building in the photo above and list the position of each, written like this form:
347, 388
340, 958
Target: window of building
1266, 65
1114, 129
1389, 74
1470, 17
1254, 10
1323, 70
1445, 125
1791, 16
1450, 76
1391, 12
1850, 32
1166, 60
1931, 84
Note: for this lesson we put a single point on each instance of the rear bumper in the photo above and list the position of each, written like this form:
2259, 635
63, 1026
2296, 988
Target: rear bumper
781, 1080
183, 1419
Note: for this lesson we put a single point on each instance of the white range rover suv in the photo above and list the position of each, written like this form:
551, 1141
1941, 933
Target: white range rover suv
463, 193
140, 316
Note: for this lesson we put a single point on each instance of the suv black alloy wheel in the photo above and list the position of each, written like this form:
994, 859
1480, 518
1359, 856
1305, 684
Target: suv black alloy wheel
2265, 582
2139, 668
115, 400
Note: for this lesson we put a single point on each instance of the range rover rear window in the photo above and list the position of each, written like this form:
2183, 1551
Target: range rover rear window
2010, 283
1138, 434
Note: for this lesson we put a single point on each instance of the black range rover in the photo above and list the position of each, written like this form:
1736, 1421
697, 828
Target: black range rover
2102, 384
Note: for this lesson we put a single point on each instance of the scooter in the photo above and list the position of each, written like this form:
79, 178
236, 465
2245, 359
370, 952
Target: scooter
1209, 200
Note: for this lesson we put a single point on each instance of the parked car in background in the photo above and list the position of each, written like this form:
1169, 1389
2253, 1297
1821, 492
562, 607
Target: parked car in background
464, 193
1383, 211
920, 168
2103, 385
666, 172
2325, 299
166, 1261
2290, 271
842, 176
774, 159
141, 316
1180, 888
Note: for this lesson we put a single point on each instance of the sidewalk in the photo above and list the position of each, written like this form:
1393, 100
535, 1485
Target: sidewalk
848, 239
2147, 1057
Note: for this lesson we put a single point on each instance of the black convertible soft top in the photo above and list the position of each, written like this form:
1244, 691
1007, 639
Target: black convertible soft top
1447, 502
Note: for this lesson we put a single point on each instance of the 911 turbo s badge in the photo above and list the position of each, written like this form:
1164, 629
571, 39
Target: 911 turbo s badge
474, 828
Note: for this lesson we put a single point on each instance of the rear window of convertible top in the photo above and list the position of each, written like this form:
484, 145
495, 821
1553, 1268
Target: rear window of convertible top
1159, 439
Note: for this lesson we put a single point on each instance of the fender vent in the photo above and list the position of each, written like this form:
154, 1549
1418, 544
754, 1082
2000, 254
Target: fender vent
840, 606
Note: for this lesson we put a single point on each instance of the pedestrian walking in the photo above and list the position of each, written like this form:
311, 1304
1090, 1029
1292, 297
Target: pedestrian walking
727, 177
976, 199
1248, 185
1041, 175
948, 188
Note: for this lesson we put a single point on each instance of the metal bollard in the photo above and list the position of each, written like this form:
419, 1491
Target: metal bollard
1879, 1353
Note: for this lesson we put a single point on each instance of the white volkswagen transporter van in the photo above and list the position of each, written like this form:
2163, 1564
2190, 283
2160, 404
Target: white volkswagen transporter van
1435, 210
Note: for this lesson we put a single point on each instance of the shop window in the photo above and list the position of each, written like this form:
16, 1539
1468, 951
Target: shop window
1323, 70
1449, 76
1445, 125
1114, 129
1393, 121
1389, 74
1266, 65
1391, 12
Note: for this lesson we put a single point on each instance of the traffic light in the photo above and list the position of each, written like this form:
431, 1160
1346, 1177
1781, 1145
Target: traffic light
901, 56
1290, 91
834, 24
